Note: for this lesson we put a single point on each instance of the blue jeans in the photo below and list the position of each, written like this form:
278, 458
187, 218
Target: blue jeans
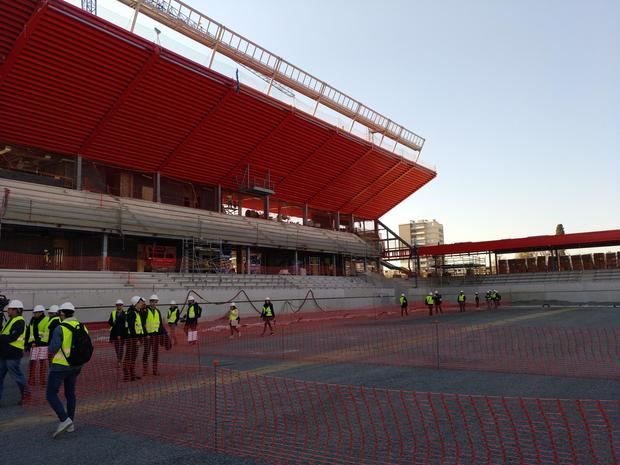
12, 366
59, 375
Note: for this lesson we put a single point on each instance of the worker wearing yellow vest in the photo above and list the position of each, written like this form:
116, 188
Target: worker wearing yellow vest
172, 318
403, 305
38, 338
135, 334
154, 332
268, 315
428, 300
61, 371
54, 320
118, 330
234, 321
191, 320
461, 298
12, 344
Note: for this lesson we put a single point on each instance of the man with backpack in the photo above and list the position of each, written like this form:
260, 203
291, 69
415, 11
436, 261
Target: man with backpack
71, 348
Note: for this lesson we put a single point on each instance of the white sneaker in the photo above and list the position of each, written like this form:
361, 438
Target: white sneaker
71, 428
62, 427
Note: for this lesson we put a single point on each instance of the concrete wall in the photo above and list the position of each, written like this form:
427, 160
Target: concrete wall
585, 291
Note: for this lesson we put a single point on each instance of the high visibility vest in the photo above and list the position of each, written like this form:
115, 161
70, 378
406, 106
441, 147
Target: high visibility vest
429, 300
172, 314
460, 298
20, 342
42, 326
267, 311
233, 314
139, 329
403, 299
60, 357
113, 319
153, 320
191, 313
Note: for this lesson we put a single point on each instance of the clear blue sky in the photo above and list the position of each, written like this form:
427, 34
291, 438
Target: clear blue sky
519, 101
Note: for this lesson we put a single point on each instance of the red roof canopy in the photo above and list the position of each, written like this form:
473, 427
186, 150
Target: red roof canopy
526, 244
75, 84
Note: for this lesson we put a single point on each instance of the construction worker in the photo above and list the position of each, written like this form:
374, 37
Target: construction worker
47, 259
54, 320
461, 298
118, 330
403, 305
38, 338
191, 320
154, 326
61, 371
437, 302
12, 344
135, 333
496, 297
428, 300
487, 297
173, 317
234, 321
477, 299
268, 315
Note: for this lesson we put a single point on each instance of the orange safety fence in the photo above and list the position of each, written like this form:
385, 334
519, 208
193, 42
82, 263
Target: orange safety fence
289, 421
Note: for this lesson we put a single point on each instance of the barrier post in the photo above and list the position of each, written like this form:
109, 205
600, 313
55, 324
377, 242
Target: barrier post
215, 435
436, 323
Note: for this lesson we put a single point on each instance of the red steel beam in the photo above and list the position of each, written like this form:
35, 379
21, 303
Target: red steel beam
257, 147
146, 67
340, 174
22, 40
198, 128
363, 191
389, 186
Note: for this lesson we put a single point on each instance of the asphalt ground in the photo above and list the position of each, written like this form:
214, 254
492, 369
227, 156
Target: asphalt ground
27, 432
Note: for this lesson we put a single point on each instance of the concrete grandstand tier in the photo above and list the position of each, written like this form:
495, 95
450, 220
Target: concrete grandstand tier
40, 205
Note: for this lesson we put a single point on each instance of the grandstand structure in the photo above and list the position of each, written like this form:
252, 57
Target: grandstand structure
120, 155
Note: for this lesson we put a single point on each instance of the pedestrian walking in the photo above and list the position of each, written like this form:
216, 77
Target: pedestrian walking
268, 316
477, 300
135, 334
155, 331
118, 331
461, 299
437, 299
234, 321
403, 305
172, 318
12, 345
428, 300
38, 339
71, 348
191, 320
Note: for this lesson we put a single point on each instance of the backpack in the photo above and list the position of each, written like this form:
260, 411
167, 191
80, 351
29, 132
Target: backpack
81, 345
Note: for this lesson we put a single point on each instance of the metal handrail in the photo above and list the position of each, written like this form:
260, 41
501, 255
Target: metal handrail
192, 23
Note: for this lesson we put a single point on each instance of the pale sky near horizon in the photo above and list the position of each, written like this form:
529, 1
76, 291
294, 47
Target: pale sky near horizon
519, 101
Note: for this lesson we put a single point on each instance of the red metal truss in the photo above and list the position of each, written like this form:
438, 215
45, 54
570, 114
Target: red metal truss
75, 84
525, 244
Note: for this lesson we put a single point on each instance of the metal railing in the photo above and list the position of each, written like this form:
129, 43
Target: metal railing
192, 23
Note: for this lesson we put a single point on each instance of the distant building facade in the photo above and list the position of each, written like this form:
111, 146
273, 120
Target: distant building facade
421, 233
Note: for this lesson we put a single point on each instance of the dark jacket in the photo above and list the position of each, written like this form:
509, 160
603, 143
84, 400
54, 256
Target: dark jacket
263, 313
118, 327
54, 322
132, 314
8, 351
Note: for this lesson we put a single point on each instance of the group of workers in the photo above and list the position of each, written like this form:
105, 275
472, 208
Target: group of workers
267, 314
433, 301
51, 340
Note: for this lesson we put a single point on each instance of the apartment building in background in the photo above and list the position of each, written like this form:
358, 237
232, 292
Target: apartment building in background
421, 233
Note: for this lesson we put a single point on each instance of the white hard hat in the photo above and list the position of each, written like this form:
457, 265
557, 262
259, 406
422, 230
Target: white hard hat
154, 297
232, 304
461, 291
191, 297
15, 304
53, 309
38, 308
135, 299
67, 306
267, 298
403, 294
120, 302
172, 302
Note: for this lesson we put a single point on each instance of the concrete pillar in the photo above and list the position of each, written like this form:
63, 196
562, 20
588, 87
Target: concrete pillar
219, 198
104, 252
78, 173
247, 261
305, 219
337, 221
266, 207
239, 205
335, 272
158, 187
296, 264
